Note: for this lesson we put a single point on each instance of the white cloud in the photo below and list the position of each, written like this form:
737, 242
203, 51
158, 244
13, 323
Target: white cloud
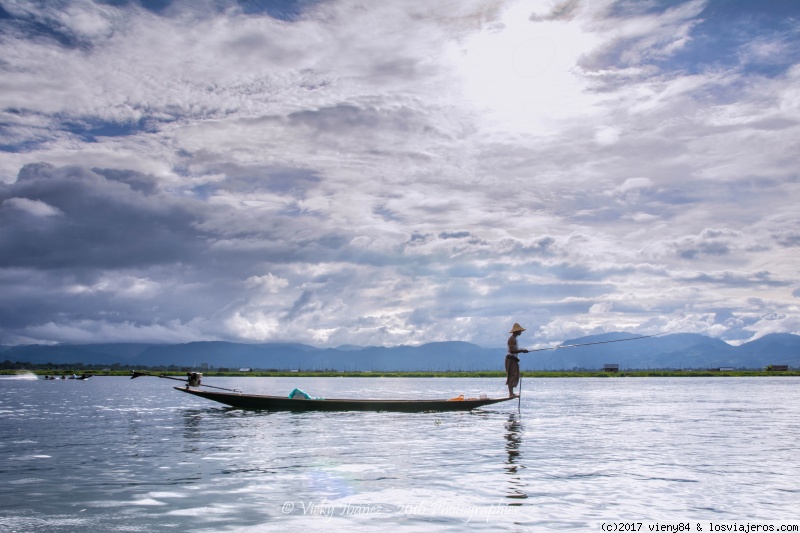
36, 208
130, 287
89, 331
607, 135
269, 282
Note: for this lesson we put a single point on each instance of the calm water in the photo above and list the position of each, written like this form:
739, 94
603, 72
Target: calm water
114, 454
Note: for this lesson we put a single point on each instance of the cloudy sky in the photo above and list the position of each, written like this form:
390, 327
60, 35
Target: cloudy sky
342, 172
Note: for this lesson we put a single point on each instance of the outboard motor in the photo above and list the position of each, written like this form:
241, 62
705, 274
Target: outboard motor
193, 379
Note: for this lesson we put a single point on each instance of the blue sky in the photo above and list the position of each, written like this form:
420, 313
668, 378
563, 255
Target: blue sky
405, 172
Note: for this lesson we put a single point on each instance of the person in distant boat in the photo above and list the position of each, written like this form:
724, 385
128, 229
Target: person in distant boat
512, 361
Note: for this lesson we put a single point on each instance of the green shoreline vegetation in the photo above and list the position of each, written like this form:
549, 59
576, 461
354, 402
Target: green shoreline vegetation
431, 374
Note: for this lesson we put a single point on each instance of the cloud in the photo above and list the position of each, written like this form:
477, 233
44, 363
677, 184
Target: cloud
401, 173
607, 136
102, 223
36, 208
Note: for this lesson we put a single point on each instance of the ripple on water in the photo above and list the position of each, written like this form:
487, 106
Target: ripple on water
119, 455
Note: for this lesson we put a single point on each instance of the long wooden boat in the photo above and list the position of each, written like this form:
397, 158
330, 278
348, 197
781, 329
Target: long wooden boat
282, 403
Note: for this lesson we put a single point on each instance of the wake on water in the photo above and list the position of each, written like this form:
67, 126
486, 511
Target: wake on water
26, 375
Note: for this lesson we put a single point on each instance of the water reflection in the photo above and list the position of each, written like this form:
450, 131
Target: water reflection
514, 464
192, 434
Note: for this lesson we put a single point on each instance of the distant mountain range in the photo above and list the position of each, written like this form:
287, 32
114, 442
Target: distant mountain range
680, 351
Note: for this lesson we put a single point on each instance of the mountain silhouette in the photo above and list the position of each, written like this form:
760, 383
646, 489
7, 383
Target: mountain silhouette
676, 351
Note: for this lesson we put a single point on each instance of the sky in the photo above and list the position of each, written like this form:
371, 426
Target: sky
385, 173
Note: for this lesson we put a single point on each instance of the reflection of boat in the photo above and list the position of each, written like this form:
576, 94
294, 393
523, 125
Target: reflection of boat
282, 403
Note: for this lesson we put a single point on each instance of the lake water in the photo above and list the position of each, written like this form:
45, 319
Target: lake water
114, 454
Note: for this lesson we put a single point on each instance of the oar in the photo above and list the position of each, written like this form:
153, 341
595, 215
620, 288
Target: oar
519, 398
135, 374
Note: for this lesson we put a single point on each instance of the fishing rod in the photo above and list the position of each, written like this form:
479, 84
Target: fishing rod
605, 342
135, 374
519, 404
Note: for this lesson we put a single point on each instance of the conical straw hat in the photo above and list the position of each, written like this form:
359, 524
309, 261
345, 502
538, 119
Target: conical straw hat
516, 328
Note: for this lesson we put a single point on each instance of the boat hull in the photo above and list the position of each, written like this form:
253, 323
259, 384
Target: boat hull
281, 403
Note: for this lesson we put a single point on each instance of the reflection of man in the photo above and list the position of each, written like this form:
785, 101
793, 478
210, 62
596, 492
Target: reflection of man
512, 361
513, 447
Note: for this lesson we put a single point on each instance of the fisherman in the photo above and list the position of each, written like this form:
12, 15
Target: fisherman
512, 361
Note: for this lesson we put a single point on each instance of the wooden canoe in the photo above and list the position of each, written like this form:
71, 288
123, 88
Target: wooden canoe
282, 403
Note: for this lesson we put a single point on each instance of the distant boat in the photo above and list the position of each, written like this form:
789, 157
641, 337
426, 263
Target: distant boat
283, 403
